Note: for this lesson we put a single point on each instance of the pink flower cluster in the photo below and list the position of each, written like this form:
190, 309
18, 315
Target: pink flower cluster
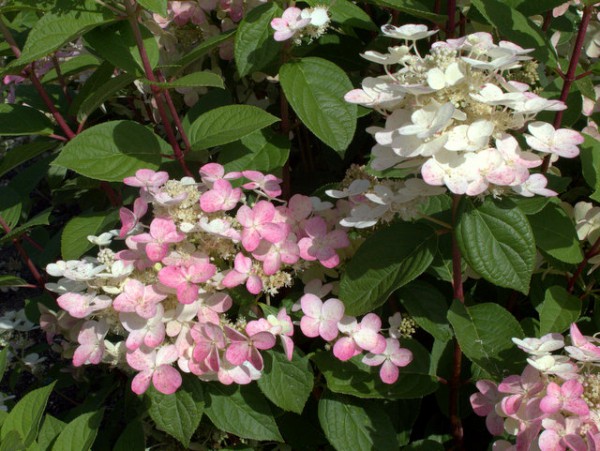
168, 293
328, 321
554, 405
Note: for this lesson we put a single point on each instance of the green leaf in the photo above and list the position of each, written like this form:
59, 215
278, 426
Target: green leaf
116, 44
286, 384
412, 7
26, 415
498, 243
41, 219
10, 206
346, 13
530, 205
227, 124
386, 261
350, 424
112, 150
484, 334
104, 92
80, 433
54, 29
590, 164
255, 47
74, 242
72, 66
201, 49
195, 80
513, 25
132, 438
263, 150
555, 234
315, 89
50, 429
21, 154
178, 414
558, 310
11, 281
357, 379
13, 441
529, 8
428, 307
18, 120
156, 6
241, 410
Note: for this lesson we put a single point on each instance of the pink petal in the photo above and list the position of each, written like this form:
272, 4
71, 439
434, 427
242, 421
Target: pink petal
166, 379
141, 382
344, 349
389, 372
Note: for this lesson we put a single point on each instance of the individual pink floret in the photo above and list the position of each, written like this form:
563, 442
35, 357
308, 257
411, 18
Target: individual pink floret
246, 349
363, 336
147, 179
392, 358
222, 197
520, 388
274, 254
320, 318
81, 305
582, 349
561, 434
154, 366
243, 271
562, 142
162, 232
484, 404
566, 397
268, 184
185, 279
239, 374
258, 224
210, 340
149, 332
91, 343
130, 219
288, 24
277, 325
211, 172
321, 245
139, 298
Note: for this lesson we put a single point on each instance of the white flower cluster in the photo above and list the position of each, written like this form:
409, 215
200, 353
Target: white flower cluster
451, 112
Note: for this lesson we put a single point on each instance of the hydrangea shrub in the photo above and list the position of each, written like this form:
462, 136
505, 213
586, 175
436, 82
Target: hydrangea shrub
313, 224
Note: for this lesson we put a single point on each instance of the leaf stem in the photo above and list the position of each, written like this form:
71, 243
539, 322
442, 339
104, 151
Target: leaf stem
131, 6
595, 249
451, 24
570, 77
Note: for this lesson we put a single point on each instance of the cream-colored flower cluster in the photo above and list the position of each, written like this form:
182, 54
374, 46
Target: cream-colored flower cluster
452, 113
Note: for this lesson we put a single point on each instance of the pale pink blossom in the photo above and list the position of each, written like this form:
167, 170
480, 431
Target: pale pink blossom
147, 179
209, 341
566, 397
211, 172
360, 336
81, 305
243, 271
562, 142
321, 245
268, 184
130, 219
185, 279
520, 388
247, 349
320, 318
290, 23
154, 366
258, 224
91, 343
484, 404
139, 298
162, 232
221, 197
392, 358
144, 331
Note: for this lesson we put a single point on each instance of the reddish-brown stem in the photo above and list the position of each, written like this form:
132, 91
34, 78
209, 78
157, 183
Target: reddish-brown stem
30, 73
451, 24
24, 256
595, 250
455, 422
570, 78
175, 116
113, 197
61, 79
547, 20
57, 137
131, 6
